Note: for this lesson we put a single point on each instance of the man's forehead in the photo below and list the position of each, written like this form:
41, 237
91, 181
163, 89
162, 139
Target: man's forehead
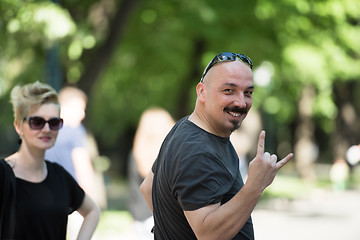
249, 85
229, 72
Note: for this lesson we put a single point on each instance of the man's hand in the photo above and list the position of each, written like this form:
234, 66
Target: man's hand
263, 167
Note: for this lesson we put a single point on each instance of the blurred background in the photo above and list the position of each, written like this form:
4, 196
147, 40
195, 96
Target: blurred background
131, 55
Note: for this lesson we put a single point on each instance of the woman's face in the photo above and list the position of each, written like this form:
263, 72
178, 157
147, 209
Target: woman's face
40, 139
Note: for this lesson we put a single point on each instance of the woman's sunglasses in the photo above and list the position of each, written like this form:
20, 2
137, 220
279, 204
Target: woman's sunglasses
37, 123
227, 57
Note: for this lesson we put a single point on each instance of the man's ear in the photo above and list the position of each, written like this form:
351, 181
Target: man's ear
201, 91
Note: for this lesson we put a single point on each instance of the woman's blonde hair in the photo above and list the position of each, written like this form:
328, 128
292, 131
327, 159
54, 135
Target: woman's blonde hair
30, 96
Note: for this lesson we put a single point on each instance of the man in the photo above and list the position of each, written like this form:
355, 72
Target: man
195, 188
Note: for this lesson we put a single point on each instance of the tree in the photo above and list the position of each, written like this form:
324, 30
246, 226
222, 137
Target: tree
129, 55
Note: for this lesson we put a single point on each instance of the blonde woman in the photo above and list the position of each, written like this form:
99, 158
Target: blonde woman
45, 192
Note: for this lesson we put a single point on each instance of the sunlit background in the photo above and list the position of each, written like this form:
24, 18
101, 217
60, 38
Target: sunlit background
130, 55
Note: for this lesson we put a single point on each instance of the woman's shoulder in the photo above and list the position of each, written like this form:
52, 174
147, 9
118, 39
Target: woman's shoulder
10, 160
6, 163
54, 167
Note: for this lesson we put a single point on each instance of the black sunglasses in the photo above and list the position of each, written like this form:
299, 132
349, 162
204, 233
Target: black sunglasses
38, 123
227, 57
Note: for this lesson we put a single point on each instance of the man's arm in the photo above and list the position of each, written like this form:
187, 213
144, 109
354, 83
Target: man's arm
146, 189
225, 221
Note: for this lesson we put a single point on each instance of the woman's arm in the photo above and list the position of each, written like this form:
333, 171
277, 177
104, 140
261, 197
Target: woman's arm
91, 213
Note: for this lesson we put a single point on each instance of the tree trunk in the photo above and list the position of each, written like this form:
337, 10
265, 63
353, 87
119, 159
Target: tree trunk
194, 73
305, 149
347, 121
105, 52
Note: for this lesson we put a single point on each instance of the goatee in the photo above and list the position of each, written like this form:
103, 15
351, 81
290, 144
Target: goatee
236, 125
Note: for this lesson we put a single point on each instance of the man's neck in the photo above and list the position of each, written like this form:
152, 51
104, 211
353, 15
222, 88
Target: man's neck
202, 123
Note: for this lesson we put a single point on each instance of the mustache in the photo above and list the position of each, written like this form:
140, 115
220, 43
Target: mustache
236, 109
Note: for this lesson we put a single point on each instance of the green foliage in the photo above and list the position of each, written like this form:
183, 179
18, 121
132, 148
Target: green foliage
297, 43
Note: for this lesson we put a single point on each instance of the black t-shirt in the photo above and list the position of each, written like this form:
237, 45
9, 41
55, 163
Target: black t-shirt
194, 169
42, 208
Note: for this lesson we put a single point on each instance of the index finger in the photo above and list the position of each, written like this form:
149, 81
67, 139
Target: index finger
261, 143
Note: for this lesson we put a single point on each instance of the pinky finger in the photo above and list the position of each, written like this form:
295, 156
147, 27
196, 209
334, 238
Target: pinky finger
283, 161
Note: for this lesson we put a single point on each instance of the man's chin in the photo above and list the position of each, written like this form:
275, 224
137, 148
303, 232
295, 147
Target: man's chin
236, 125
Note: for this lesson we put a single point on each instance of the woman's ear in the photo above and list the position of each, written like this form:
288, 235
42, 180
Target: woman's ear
18, 128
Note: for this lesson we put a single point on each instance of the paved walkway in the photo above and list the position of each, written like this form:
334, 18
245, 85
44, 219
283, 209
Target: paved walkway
323, 216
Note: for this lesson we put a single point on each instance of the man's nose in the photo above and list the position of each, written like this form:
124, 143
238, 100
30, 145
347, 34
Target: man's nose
240, 100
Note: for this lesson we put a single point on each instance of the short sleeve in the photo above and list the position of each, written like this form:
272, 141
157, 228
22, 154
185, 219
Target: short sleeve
201, 181
77, 194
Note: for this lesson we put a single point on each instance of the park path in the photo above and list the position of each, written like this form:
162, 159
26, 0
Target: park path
324, 215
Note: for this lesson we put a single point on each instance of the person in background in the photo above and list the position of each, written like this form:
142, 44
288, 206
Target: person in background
45, 192
70, 147
339, 174
154, 125
195, 189
71, 150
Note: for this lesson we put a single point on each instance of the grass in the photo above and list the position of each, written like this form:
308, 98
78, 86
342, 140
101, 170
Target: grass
113, 223
287, 187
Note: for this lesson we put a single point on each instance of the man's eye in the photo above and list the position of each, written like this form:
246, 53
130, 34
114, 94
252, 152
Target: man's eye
228, 91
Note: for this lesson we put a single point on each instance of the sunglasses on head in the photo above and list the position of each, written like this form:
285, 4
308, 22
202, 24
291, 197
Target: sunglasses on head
38, 123
227, 57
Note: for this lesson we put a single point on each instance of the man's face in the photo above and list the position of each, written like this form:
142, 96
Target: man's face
228, 96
